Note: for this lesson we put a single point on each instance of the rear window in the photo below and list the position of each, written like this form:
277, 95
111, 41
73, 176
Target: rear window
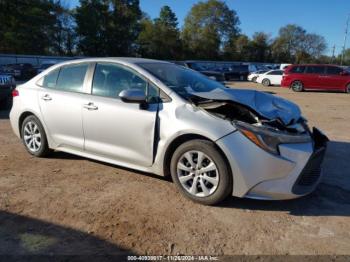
276, 73
297, 70
71, 78
315, 69
50, 79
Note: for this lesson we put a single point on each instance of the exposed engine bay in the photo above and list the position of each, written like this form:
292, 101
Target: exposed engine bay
233, 112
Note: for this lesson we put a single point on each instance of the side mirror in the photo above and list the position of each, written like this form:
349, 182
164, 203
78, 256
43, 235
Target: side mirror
136, 96
344, 73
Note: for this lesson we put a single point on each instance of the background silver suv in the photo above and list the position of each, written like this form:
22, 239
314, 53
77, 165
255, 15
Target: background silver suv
165, 119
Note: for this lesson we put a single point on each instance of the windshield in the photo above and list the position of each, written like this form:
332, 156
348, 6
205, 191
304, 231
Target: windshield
181, 80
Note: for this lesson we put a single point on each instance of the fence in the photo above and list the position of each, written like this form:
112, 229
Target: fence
38, 60
32, 59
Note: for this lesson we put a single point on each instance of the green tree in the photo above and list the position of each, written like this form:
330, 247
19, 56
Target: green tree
295, 45
259, 48
208, 27
107, 27
160, 38
346, 57
91, 18
237, 48
123, 27
63, 38
26, 26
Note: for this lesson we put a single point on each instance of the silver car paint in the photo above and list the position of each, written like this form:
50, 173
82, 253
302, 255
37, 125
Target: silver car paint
130, 143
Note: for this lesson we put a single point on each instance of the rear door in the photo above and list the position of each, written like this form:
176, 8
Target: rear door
334, 79
276, 77
61, 97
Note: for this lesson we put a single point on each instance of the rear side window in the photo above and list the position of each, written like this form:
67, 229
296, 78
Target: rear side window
333, 70
315, 69
50, 80
71, 78
276, 73
298, 70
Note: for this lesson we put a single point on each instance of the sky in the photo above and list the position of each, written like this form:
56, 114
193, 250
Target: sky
323, 17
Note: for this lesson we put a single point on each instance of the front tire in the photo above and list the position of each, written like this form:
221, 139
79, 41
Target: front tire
266, 82
34, 137
254, 79
200, 172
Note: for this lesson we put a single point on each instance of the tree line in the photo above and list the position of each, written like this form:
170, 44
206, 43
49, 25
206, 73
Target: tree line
211, 31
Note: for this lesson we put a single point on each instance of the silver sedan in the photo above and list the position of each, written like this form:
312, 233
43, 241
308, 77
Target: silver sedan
165, 119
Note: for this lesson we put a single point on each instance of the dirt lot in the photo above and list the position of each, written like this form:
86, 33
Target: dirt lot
69, 205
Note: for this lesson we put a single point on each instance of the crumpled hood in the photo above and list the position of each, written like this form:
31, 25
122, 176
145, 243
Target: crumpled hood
267, 105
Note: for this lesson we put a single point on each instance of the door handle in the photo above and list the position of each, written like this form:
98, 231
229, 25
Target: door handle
46, 97
90, 106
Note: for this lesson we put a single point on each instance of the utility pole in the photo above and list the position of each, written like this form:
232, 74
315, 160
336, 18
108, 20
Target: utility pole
333, 54
345, 37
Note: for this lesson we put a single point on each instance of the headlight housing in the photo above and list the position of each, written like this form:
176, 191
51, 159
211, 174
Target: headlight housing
268, 138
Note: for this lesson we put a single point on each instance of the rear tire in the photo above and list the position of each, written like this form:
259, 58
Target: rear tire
266, 82
200, 162
34, 137
254, 79
297, 86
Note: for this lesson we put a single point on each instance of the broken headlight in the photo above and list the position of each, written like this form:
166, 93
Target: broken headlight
268, 138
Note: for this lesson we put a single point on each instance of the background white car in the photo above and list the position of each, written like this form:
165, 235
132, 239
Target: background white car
254, 75
273, 77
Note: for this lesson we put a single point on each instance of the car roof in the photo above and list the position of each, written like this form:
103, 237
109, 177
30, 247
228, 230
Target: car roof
316, 65
129, 60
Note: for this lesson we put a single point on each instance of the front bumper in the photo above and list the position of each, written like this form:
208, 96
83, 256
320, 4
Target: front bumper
261, 175
285, 83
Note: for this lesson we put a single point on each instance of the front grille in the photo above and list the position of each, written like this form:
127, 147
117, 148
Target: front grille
310, 174
5, 80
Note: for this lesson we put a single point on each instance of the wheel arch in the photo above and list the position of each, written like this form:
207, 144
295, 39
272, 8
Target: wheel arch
182, 139
23, 116
346, 86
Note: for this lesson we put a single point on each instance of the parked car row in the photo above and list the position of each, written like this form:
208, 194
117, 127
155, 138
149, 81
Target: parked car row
24, 71
7, 84
316, 77
306, 77
220, 71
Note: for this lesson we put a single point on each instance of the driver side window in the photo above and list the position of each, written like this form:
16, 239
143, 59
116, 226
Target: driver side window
111, 79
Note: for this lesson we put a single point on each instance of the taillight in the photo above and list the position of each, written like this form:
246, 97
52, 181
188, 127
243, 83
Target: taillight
15, 93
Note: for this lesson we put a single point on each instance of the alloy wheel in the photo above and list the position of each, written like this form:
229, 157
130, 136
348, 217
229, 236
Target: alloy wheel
198, 174
297, 86
266, 82
32, 136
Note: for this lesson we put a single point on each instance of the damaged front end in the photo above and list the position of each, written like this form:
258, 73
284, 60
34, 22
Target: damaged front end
266, 120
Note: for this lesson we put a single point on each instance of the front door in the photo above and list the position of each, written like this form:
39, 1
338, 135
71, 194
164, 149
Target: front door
115, 129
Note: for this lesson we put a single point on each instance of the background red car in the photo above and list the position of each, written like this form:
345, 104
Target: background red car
316, 77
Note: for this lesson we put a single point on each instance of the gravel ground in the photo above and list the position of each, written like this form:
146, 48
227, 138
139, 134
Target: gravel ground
69, 205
